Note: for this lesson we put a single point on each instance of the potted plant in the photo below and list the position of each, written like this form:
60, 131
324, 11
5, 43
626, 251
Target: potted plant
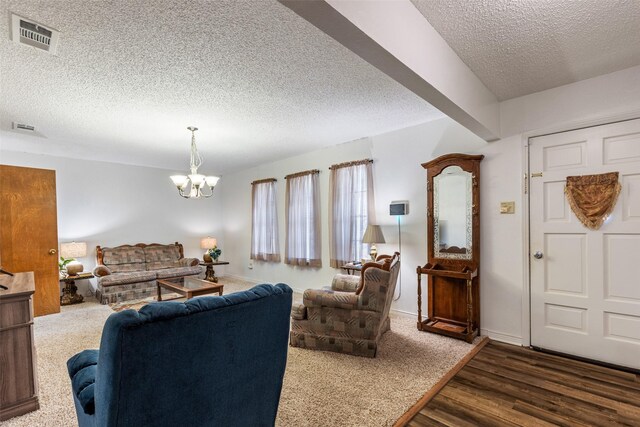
62, 264
215, 253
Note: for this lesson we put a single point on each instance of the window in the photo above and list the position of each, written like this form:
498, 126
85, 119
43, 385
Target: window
303, 220
264, 224
351, 208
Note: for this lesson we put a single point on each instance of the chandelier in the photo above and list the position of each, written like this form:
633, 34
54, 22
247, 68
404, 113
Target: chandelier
198, 182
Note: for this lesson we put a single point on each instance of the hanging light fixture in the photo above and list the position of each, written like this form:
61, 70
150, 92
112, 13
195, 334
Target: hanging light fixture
197, 180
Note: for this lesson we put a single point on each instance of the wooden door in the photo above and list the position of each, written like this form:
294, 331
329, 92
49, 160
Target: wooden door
29, 231
585, 286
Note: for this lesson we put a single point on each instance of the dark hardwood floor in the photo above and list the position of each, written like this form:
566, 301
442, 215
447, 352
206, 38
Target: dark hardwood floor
513, 386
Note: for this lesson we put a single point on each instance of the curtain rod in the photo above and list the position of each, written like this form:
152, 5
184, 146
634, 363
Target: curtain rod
262, 181
354, 163
297, 174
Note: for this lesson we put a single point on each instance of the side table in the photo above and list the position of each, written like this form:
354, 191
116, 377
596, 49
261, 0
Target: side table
69, 295
352, 268
210, 273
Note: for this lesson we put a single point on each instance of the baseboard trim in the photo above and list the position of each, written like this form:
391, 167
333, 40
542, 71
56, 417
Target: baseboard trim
502, 337
404, 313
426, 398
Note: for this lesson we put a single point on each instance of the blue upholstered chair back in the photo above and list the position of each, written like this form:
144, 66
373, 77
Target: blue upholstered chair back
210, 361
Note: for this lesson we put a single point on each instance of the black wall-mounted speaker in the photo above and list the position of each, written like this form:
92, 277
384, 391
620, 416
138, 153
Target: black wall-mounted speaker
399, 208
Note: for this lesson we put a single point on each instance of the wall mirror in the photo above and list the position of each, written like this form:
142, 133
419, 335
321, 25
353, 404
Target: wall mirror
452, 214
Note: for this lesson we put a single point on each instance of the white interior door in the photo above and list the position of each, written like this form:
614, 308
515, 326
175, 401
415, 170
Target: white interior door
585, 284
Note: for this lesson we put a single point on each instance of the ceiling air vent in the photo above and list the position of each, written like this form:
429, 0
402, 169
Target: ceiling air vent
31, 33
23, 126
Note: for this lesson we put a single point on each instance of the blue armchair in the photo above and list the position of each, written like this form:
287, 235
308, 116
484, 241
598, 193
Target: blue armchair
210, 361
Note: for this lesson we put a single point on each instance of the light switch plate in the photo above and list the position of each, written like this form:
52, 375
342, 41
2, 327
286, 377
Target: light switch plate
507, 207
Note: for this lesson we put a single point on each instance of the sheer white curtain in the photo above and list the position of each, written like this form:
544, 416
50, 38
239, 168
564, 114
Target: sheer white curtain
351, 209
264, 224
303, 220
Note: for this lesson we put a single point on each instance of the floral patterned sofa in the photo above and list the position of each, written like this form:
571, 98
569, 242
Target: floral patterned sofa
129, 272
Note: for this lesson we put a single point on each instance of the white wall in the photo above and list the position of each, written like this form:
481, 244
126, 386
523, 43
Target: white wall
398, 175
611, 96
111, 204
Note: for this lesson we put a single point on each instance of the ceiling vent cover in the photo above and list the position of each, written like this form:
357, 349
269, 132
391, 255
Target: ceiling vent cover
23, 126
26, 31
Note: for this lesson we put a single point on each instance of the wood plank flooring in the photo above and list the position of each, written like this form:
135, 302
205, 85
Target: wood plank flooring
513, 386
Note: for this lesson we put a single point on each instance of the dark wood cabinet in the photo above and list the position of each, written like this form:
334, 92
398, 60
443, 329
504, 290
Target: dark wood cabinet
453, 239
19, 387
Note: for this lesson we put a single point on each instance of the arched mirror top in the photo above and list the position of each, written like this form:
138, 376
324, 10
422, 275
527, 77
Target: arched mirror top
453, 220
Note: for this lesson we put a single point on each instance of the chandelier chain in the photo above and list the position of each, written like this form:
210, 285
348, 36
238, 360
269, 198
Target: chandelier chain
196, 158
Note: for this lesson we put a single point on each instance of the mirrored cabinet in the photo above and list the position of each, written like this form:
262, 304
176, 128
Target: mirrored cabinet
453, 239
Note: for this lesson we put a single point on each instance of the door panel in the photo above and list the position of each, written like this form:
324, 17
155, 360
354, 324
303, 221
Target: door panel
569, 318
585, 291
630, 195
29, 231
565, 263
564, 156
621, 267
622, 149
622, 327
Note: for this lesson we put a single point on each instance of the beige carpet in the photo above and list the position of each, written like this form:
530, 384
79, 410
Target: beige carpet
320, 389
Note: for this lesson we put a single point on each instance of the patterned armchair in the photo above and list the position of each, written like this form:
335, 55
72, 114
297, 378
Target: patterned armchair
352, 315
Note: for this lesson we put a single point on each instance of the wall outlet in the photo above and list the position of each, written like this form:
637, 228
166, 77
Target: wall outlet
507, 207
250, 264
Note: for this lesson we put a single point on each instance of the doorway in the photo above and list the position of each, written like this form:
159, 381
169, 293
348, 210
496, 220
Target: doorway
585, 286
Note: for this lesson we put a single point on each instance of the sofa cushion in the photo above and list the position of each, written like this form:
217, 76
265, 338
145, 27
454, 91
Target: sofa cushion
124, 259
298, 312
124, 278
167, 273
345, 283
161, 256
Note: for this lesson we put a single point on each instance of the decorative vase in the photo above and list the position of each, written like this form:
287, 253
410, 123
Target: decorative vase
206, 257
74, 268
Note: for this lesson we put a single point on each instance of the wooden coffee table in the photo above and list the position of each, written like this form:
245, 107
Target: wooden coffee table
188, 287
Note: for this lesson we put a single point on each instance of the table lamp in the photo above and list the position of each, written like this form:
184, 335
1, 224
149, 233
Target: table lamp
373, 235
208, 243
73, 250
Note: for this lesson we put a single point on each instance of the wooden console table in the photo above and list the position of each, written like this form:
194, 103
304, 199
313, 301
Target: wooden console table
19, 391
210, 273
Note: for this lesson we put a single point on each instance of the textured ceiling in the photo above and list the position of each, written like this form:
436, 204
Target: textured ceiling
260, 82
525, 46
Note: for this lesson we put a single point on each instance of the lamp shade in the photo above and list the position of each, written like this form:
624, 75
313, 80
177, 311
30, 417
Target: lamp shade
208, 243
373, 234
212, 180
179, 181
73, 250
